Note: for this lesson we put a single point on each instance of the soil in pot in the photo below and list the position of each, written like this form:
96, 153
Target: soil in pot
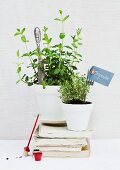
78, 102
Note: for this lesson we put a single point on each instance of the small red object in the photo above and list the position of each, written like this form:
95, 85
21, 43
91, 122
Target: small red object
37, 155
26, 149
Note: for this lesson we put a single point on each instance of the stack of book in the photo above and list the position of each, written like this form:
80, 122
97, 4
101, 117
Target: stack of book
60, 142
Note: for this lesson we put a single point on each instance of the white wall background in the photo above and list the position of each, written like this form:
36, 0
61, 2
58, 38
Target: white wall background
100, 21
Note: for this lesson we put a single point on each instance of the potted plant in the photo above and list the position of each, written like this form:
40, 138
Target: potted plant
74, 104
57, 63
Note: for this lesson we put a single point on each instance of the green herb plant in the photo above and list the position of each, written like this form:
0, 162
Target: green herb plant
75, 92
59, 60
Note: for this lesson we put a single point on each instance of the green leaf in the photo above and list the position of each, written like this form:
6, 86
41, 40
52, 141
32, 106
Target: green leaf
45, 29
25, 55
44, 84
62, 35
31, 53
79, 31
74, 67
78, 54
45, 37
56, 71
26, 78
45, 50
73, 37
49, 41
23, 38
66, 17
17, 33
18, 29
17, 53
61, 72
74, 45
60, 11
68, 47
29, 83
59, 46
35, 60
23, 30
55, 46
18, 70
75, 40
57, 19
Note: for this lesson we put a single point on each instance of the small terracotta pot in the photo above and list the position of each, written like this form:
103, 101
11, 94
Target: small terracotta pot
37, 154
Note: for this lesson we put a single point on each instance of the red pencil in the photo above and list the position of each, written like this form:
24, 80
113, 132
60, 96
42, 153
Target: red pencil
27, 149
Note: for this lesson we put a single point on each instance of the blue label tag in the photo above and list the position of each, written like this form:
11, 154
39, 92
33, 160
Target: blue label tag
100, 75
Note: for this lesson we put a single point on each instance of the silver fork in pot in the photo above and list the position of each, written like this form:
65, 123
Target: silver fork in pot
37, 34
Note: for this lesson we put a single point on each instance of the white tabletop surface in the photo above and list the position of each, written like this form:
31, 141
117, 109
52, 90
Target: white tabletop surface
105, 155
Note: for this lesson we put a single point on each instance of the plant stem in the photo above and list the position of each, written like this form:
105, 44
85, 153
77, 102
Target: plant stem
19, 73
77, 43
30, 58
62, 32
62, 41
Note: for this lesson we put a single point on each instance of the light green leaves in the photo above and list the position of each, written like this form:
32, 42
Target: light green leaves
19, 32
76, 39
62, 35
67, 46
23, 38
26, 55
43, 84
60, 11
57, 61
58, 46
29, 80
45, 29
18, 70
46, 38
61, 19
78, 31
57, 19
74, 45
18, 53
65, 18
18, 29
23, 30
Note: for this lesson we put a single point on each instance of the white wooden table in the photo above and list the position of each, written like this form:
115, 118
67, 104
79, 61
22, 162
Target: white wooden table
105, 154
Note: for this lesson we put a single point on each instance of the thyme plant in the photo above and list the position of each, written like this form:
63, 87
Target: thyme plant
75, 92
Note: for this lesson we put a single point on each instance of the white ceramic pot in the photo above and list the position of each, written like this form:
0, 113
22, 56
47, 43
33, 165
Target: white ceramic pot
50, 105
77, 115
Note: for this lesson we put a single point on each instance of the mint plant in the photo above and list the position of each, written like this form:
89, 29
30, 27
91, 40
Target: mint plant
59, 60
